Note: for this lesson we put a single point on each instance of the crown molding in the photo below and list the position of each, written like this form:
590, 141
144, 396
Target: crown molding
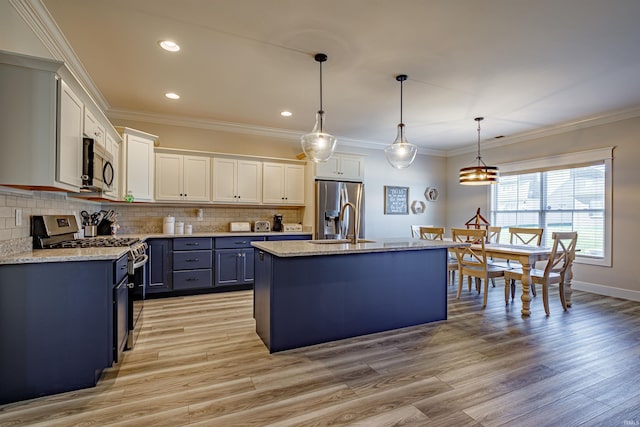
220, 126
602, 119
40, 21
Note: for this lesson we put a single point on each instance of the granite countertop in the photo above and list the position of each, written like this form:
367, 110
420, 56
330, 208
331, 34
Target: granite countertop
308, 248
64, 255
100, 254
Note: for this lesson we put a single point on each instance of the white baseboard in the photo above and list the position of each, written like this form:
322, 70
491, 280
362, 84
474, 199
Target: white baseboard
606, 290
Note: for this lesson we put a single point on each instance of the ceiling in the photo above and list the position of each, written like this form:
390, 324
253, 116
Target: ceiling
522, 64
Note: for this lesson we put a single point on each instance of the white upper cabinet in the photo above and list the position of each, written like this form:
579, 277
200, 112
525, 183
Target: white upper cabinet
237, 181
92, 128
283, 183
138, 167
346, 167
69, 154
182, 178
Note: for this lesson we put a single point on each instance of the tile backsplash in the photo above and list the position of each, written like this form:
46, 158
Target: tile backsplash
133, 218
16, 238
141, 218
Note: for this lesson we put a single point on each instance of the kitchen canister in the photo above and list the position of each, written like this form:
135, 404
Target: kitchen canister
188, 229
179, 227
168, 225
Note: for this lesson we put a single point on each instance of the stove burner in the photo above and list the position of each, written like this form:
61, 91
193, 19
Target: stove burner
95, 242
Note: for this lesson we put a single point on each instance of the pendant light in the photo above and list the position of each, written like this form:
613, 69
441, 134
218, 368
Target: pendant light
480, 174
318, 146
401, 153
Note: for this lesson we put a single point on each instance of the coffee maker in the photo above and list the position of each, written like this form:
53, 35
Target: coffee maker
277, 222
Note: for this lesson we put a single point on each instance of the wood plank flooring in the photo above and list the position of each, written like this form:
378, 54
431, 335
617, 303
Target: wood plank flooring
198, 362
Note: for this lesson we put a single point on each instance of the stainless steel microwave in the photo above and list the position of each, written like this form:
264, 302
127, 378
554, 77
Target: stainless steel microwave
97, 167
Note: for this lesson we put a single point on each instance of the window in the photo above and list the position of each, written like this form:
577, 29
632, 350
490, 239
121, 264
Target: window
556, 196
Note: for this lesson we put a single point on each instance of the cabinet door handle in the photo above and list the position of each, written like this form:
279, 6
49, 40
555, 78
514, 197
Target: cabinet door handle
193, 244
193, 260
192, 279
241, 243
261, 254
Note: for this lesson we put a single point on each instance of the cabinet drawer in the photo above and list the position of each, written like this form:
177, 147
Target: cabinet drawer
236, 242
192, 279
191, 243
289, 237
120, 267
191, 260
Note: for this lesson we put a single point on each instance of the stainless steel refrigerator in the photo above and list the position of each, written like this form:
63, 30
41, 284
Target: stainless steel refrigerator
331, 196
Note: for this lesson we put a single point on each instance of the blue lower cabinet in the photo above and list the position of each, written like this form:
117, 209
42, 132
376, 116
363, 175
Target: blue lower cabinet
56, 327
234, 267
192, 263
234, 260
273, 238
160, 265
192, 279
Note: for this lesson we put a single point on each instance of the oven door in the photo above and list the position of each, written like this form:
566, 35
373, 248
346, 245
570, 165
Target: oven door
138, 274
120, 317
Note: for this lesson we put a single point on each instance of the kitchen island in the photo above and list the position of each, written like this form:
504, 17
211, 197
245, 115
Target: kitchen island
310, 292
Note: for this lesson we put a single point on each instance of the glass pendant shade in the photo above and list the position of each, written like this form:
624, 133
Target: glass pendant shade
401, 153
479, 174
317, 145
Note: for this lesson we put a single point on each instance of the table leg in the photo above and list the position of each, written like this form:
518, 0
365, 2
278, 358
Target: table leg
526, 283
567, 290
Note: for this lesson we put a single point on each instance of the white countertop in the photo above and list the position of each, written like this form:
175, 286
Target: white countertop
295, 248
101, 254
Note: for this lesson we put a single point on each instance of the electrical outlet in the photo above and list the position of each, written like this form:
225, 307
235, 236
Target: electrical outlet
18, 217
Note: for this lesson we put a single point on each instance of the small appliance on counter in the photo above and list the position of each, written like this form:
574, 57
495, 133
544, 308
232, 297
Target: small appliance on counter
239, 226
291, 227
277, 222
262, 226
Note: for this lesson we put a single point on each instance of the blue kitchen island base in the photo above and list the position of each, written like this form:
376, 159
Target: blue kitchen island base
305, 300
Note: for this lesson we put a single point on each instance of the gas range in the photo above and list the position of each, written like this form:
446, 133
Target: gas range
94, 242
60, 231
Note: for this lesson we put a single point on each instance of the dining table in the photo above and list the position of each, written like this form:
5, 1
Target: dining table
527, 255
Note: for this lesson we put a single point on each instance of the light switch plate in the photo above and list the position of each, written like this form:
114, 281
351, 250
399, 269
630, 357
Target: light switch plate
18, 217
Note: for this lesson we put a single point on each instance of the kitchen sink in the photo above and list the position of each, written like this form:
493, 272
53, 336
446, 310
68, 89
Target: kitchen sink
338, 241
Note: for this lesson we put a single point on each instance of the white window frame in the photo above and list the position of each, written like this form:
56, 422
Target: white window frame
575, 160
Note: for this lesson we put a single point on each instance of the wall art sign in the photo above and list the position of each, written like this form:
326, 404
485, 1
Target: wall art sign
396, 200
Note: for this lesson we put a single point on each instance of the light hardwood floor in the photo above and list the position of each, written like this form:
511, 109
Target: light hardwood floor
199, 362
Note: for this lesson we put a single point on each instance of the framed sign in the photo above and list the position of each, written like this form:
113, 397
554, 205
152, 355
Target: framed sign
396, 200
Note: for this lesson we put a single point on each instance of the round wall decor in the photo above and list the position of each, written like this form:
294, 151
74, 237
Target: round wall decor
431, 194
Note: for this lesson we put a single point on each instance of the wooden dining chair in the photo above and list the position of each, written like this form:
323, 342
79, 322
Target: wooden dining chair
525, 236
437, 233
562, 255
472, 260
493, 236
415, 230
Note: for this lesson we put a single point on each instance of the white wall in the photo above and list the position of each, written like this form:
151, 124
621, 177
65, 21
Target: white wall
621, 279
426, 171
16, 36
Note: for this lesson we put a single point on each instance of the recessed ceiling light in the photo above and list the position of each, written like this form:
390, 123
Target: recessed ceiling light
286, 114
172, 95
169, 45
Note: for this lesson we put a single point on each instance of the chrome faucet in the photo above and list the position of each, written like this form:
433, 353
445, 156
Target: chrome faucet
356, 221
